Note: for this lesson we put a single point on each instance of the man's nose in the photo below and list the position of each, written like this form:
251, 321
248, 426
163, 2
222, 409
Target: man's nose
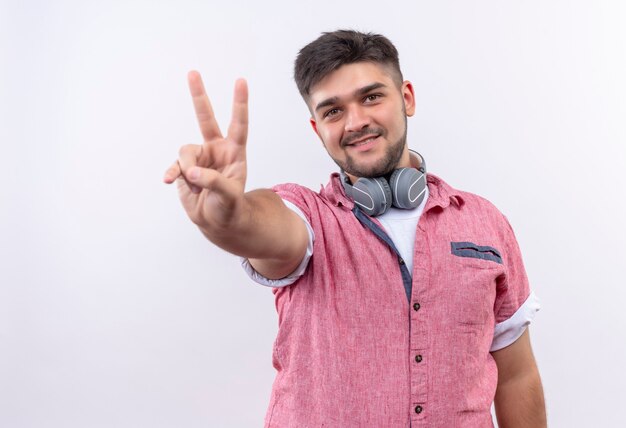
356, 119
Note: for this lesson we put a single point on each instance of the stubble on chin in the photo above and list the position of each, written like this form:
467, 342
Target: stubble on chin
383, 167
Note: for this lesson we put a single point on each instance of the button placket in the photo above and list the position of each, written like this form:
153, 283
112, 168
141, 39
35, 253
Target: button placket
419, 341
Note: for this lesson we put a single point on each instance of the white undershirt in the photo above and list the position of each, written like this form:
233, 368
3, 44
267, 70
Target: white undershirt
401, 226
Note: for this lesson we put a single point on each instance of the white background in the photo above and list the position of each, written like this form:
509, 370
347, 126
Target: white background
115, 311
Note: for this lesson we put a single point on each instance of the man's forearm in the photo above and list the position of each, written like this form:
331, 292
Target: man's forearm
265, 231
519, 402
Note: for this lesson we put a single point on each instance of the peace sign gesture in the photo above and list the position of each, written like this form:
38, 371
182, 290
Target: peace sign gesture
211, 177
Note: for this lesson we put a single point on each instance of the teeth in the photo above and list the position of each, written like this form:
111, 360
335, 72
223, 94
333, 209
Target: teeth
365, 142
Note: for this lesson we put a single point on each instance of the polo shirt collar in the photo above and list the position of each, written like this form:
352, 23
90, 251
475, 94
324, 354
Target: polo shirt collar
441, 194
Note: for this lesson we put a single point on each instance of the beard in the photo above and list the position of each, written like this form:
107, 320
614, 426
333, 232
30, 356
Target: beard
383, 166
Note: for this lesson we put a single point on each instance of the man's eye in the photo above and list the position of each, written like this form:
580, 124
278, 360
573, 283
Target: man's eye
372, 97
331, 112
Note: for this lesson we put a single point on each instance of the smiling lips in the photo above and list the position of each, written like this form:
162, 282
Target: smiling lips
364, 143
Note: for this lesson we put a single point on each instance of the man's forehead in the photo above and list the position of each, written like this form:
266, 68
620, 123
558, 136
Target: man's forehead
348, 78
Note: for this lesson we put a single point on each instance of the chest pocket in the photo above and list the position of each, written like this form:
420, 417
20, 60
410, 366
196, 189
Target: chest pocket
471, 250
474, 272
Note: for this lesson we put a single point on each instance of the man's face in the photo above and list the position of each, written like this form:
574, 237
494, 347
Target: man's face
359, 113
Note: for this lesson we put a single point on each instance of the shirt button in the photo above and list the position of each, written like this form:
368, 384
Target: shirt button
416, 306
401, 261
418, 409
418, 358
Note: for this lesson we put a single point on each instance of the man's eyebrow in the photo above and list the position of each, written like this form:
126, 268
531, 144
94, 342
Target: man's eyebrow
359, 92
327, 102
364, 90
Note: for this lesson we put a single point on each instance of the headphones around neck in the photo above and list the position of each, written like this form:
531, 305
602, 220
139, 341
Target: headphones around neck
405, 190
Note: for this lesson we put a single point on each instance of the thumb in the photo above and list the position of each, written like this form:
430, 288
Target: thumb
209, 179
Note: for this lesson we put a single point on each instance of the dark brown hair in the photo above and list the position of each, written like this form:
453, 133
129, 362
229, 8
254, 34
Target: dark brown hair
333, 49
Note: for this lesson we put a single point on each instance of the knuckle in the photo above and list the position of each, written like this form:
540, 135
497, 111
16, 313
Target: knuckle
204, 116
187, 149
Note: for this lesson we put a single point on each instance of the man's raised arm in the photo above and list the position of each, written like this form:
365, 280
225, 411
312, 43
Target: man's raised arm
211, 180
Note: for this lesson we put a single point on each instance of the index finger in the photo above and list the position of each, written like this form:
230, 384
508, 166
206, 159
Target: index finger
204, 112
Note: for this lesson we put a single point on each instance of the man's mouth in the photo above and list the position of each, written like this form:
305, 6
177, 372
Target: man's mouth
363, 141
365, 144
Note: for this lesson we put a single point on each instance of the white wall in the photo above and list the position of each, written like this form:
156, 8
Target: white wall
115, 312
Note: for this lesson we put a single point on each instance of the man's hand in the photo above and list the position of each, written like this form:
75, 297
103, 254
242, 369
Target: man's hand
211, 177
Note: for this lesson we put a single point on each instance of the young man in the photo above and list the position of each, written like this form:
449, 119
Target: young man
402, 301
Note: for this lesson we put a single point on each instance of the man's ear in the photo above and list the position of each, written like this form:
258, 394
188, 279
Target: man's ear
314, 126
408, 96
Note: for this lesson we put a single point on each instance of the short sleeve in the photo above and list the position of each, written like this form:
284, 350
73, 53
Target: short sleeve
515, 304
298, 272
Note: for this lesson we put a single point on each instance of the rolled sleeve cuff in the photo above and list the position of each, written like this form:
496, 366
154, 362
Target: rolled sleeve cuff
298, 272
508, 331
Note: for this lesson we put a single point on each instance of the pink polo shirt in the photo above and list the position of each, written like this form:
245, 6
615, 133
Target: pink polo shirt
362, 342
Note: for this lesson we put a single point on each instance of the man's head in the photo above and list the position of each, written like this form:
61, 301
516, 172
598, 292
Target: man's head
353, 87
334, 49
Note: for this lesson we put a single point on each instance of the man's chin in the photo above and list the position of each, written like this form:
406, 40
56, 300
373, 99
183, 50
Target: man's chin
380, 167
371, 172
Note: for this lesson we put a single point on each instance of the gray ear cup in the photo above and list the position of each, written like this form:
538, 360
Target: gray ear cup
372, 195
408, 187
406, 190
